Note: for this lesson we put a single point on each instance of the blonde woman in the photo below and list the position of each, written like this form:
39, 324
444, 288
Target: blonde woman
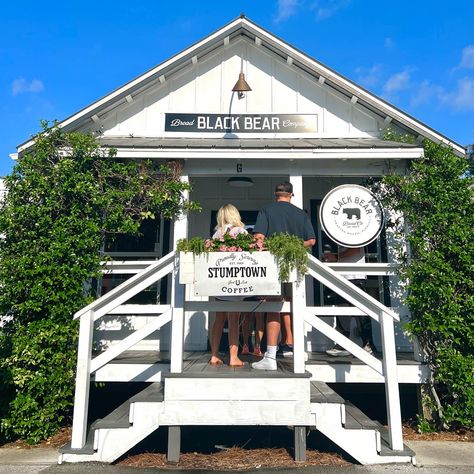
228, 222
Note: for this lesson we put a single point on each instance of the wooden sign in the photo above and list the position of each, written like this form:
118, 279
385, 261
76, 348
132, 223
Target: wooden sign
236, 123
240, 274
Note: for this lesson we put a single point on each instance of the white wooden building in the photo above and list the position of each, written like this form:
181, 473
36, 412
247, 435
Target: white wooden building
301, 122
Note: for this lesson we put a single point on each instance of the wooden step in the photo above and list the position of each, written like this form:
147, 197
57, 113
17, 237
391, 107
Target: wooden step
322, 393
119, 418
88, 448
200, 368
385, 449
357, 420
153, 393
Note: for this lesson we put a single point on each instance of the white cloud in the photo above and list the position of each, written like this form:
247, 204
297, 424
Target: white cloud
397, 82
459, 99
323, 8
462, 98
327, 8
467, 60
426, 92
388, 43
369, 76
21, 85
286, 9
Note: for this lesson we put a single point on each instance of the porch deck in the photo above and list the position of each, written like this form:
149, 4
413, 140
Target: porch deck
150, 366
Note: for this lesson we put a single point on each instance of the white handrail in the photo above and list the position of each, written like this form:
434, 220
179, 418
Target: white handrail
123, 267
382, 314
378, 269
104, 305
359, 298
130, 287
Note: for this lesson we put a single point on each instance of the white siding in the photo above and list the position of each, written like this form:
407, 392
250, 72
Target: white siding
205, 87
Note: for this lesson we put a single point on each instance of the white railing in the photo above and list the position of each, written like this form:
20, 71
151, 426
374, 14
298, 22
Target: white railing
365, 304
148, 272
113, 303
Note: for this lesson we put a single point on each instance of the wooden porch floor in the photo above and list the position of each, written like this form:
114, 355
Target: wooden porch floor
196, 363
152, 366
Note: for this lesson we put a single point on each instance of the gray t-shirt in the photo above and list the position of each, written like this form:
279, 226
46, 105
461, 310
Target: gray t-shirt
283, 217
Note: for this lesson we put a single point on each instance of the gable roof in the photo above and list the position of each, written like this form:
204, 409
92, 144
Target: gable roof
264, 39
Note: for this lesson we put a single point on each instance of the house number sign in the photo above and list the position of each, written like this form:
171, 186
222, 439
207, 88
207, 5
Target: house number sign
234, 123
351, 215
236, 274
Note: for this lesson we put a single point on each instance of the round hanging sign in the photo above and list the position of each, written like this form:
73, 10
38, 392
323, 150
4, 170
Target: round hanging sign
351, 215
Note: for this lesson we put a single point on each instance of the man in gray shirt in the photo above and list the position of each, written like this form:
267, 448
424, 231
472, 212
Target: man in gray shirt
281, 217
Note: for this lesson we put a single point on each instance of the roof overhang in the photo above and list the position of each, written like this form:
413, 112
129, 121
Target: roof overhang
303, 148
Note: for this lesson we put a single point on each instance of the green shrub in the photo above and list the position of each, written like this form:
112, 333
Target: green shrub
64, 196
436, 197
41, 368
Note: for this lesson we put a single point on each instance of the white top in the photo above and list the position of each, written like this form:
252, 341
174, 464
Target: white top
232, 231
355, 257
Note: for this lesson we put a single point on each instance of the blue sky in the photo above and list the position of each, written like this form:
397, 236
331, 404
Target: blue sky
57, 57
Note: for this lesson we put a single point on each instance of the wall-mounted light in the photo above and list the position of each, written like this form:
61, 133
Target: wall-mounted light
240, 182
241, 86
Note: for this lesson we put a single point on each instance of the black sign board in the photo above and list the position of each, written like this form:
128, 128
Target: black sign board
248, 123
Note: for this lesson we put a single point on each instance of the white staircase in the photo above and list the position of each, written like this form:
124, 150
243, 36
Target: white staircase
359, 436
111, 437
202, 395
230, 398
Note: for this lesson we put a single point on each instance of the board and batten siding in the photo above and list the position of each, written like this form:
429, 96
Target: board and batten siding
205, 87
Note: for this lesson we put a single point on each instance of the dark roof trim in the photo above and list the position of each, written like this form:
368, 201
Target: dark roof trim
253, 143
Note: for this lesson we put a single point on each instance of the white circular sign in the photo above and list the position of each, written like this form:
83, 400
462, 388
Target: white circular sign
351, 215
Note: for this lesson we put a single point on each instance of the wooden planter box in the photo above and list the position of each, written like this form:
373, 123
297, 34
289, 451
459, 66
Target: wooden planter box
240, 274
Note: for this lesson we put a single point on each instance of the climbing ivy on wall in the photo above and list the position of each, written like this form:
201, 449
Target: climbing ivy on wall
64, 197
436, 197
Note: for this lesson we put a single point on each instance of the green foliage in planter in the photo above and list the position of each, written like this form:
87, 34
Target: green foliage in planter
64, 197
290, 253
239, 243
437, 199
196, 245
289, 250
41, 366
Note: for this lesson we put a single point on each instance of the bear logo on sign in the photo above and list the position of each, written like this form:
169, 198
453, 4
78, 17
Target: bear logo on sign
351, 211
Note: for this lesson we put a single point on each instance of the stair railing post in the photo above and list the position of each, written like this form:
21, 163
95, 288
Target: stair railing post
391, 382
180, 231
81, 396
298, 309
177, 322
298, 305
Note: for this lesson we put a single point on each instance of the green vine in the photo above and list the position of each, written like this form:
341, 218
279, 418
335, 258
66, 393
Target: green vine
290, 254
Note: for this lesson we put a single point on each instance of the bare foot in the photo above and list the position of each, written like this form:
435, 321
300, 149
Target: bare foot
216, 361
236, 363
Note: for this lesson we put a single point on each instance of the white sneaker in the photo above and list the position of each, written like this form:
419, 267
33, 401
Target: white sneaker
337, 352
267, 363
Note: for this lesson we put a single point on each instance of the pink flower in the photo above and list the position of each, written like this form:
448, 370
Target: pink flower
260, 245
239, 249
223, 248
208, 243
232, 248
